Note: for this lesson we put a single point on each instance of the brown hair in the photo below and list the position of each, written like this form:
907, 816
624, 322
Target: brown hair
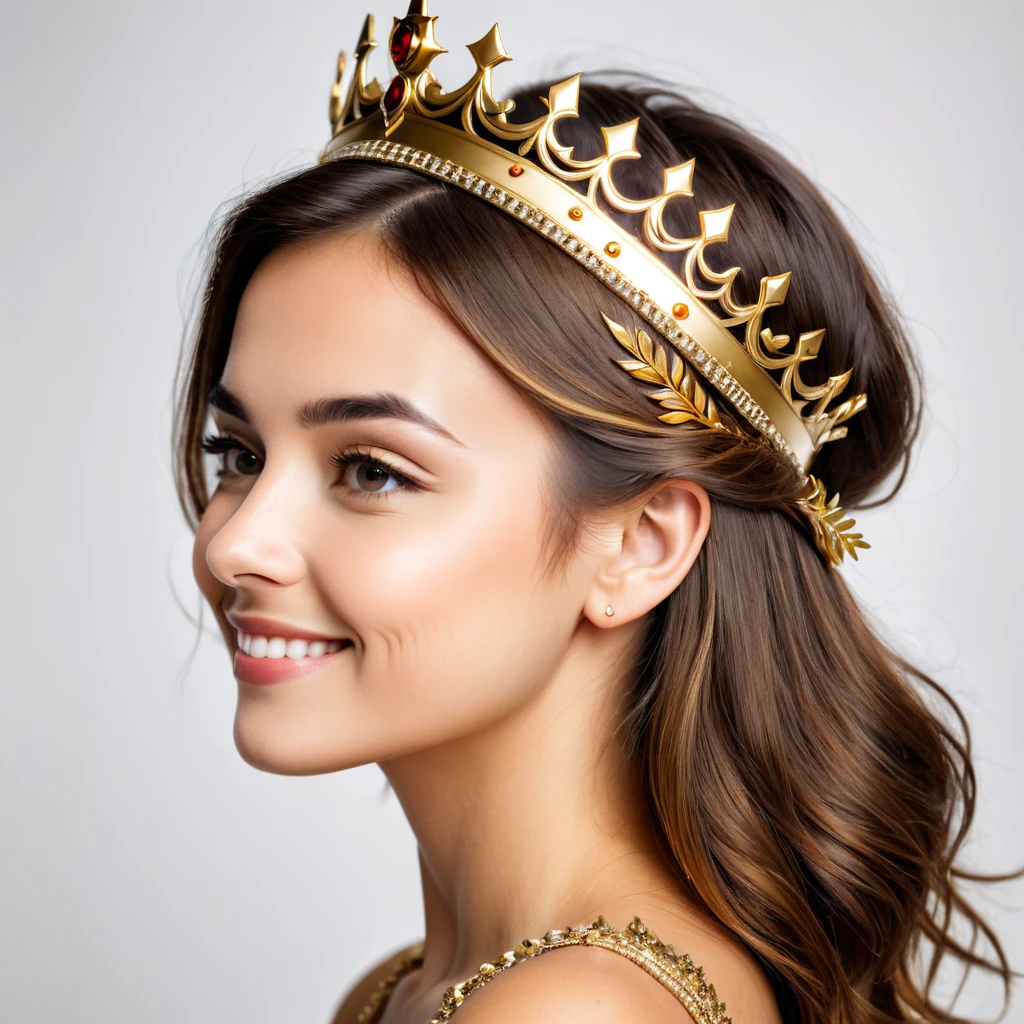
796, 771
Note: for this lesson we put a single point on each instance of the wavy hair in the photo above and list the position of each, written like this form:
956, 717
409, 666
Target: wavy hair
812, 787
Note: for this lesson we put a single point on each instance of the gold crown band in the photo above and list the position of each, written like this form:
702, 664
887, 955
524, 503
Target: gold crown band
544, 204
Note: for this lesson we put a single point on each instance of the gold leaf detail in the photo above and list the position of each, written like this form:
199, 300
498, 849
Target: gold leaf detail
685, 400
830, 524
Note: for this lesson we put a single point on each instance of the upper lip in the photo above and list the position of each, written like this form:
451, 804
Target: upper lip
259, 626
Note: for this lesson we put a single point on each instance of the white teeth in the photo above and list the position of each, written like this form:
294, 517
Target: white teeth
296, 648
285, 647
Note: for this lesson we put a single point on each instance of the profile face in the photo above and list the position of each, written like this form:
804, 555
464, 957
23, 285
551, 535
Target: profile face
420, 555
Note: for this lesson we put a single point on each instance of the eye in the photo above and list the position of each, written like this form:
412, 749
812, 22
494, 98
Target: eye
235, 458
369, 474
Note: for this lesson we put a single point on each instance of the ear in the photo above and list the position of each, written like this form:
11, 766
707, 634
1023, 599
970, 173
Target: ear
659, 541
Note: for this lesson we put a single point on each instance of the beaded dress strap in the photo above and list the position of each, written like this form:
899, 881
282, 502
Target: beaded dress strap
412, 958
637, 943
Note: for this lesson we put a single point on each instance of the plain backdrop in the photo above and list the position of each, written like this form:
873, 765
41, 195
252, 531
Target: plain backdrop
148, 873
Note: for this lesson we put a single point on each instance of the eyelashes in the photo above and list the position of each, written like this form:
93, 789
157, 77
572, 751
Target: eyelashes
354, 456
224, 445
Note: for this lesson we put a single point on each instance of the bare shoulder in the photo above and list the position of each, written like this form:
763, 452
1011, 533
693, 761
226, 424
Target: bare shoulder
600, 986
359, 993
573, 984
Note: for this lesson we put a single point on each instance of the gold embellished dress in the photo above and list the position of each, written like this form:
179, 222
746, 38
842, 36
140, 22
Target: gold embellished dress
637, 943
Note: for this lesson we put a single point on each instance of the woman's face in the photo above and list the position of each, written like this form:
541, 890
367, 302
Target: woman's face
421, 553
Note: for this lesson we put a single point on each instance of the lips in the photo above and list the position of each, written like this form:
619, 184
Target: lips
268, 651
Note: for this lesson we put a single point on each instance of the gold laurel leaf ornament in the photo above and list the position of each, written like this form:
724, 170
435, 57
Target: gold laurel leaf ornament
830, 523
680, 393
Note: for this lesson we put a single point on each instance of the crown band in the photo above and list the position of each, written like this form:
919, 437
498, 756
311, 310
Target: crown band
536, 200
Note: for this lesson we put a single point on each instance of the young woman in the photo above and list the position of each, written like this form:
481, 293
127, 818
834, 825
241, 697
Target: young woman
593, 633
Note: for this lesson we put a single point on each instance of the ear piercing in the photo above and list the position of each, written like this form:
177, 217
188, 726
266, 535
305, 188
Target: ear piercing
609, 610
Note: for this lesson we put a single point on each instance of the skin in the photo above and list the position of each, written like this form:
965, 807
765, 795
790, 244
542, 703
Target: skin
484, 688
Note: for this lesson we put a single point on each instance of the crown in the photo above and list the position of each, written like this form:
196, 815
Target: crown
464, 137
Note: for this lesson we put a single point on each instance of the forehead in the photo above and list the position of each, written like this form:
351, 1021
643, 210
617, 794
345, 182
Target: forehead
336, 302
333, 316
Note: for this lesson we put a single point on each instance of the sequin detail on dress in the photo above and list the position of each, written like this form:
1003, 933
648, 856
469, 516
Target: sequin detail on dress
637, 943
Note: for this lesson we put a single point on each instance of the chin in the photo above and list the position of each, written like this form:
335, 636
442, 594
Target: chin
281, 749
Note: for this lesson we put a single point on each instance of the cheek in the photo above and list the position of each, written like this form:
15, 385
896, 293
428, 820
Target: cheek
442, 603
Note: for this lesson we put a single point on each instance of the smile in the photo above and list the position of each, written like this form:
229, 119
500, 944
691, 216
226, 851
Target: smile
258, 646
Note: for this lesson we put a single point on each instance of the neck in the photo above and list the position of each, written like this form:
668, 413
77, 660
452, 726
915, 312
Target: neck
536, 821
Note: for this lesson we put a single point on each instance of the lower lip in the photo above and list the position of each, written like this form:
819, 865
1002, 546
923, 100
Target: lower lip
262, 671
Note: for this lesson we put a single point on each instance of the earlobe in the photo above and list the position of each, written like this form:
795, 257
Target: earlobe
661, 539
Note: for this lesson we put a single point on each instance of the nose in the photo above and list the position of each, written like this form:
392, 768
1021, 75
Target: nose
258, 544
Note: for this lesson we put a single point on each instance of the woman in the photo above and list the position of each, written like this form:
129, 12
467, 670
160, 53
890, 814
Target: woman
593, 633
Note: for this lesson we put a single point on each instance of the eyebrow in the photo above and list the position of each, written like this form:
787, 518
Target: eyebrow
321, 412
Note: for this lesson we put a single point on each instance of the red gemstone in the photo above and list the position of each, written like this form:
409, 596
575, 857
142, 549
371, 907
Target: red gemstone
401, 41
396, 90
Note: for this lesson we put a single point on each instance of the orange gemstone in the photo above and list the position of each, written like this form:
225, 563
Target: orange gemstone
515, 170
613, 248
680, 310
576, 213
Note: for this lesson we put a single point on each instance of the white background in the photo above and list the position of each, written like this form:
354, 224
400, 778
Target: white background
148, 873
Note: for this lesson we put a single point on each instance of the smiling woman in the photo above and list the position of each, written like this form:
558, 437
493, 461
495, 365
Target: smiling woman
395, 515
594, 634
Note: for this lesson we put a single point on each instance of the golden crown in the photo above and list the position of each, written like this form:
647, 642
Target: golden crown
415, 123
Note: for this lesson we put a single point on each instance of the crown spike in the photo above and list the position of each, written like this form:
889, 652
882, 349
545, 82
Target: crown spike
714, 224
489, 51
810, 344
335, 108
361, 94
679, 179
563, 97
366, 40
619, 140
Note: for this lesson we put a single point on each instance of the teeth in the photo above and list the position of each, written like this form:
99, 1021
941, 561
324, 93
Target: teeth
285, 647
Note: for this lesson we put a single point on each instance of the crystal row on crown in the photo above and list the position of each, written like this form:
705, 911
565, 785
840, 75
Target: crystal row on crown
662, 322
